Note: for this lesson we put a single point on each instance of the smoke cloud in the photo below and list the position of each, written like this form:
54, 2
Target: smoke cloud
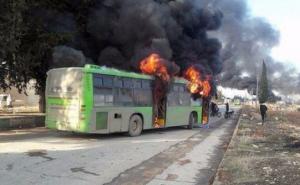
247, 41
65, 56
120, 33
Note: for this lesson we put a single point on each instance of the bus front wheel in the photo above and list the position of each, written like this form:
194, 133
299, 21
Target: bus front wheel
135, 126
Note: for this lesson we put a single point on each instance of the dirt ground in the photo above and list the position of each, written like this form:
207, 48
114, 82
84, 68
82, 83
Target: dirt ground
263, 154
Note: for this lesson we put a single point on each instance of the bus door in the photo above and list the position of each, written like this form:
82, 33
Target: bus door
159, 103
205, 112
179, 108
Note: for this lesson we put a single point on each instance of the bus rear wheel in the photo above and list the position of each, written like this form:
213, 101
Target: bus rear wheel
135, 126
192, 120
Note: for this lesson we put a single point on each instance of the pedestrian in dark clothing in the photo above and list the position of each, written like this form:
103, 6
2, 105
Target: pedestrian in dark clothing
227, 107
263, 109
214, 108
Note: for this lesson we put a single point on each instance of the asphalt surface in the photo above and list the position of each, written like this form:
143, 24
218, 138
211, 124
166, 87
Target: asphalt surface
167, 156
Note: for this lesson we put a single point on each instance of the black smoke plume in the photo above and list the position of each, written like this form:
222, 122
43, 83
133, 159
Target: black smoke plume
66, 56
120, 33
247, 41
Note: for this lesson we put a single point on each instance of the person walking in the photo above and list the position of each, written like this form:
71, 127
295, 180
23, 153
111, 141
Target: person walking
263, 110
213, 108
227, 107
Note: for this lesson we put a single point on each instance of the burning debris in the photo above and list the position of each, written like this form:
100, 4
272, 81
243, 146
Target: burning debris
200, 86
157, 66
196, 84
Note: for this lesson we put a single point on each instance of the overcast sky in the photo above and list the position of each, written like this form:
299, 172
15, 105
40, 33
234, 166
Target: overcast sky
284, 15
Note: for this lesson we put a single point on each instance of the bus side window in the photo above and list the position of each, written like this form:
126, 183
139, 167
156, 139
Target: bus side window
103, 96
99, 100
118, 82
107, 81
109, 99
184, 99
143, 93
178, 96
146, 84
197, 102
173, 99
103, 90
125, 97
137, 84
181, 88
175, 88
127, 83
142, 97
98, 81
184, 96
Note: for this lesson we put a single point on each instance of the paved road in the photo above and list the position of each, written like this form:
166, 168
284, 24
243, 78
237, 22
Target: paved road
40, 156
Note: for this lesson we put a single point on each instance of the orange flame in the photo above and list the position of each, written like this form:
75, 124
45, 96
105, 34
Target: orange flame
154, 65
156, 125
196, 85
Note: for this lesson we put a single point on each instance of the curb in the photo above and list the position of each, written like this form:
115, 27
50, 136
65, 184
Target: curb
18, 122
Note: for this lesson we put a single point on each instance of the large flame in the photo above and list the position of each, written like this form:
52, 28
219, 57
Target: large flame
196, 85
154, 65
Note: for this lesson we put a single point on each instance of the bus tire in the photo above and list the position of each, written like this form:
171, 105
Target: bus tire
135, 126
192, 120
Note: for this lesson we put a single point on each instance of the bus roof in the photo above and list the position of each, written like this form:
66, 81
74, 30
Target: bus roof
112, 71
90, 68
117, 72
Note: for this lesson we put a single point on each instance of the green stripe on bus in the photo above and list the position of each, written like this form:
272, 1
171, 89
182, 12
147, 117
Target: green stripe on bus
87, 101
62, 101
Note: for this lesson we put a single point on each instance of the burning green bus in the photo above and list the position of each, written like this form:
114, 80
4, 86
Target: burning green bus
94, 99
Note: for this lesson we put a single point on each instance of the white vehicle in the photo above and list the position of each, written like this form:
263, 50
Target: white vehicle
5, 100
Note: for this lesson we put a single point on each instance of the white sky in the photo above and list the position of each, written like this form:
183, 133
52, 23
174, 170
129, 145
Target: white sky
284, 15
